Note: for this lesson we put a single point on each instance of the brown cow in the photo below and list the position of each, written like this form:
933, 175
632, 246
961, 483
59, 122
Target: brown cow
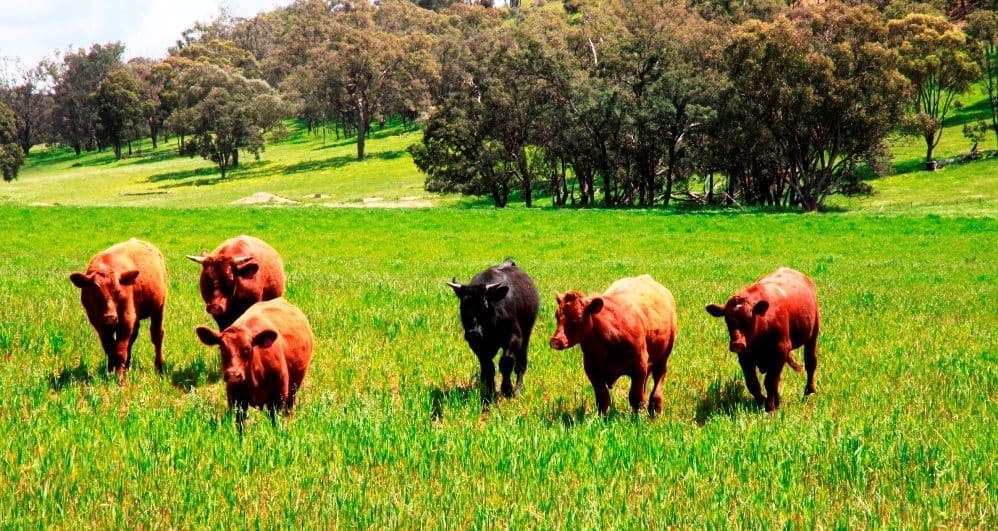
628, 330
238, 273
766, 321
265, 354
123, 285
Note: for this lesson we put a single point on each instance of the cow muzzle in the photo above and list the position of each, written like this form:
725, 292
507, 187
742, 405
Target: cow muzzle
110, 319
737, 347
234, 376
214, 309
559, 343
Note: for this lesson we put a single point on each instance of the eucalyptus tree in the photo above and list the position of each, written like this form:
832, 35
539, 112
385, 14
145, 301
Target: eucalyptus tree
983, 27
76, 78
821, 88
936, 58
11, 154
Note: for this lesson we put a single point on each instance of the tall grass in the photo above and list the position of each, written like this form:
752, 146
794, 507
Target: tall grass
390, 432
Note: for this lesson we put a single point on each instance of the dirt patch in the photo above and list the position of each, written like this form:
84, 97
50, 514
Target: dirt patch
379, 202
264, 198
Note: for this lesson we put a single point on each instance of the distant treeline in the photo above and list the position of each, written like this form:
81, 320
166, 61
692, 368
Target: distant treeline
619, 102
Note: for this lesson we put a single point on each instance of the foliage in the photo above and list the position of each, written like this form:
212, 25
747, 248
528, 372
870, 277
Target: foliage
934, 57
223, 112
118, 103
11, 155
983, 28
821, 91
77, 78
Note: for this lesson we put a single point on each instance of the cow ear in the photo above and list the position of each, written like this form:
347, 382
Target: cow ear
128, 277
265, 339
594, 306
458, 288
497, 293
716, 310
207, 335
79, 279
558, 297
248, 271
760, 308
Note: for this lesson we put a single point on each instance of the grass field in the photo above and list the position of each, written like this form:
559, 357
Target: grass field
389, 432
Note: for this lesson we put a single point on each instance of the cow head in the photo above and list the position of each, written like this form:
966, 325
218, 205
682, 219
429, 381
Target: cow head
574, 315
103, 291
239, 347
224, 278
479, 311
740, 315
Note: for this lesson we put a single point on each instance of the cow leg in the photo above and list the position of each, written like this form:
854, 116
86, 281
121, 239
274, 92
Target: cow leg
487, 377
600, 390
773, 385
658, 372
751, 378
240, 412
131, 341
811, 364
506, 363
110, 346
636, 396
520, 357
156, 334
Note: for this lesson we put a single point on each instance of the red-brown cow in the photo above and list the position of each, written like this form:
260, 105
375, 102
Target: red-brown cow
628, 330
766, 321
121, 286
240, 272
265, 354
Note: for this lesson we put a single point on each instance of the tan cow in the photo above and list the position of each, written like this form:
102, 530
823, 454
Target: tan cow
629, 330
121, 286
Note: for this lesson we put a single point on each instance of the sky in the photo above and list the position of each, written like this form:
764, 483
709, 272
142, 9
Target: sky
33, 29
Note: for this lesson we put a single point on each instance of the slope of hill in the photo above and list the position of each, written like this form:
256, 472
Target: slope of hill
310, 169
299, 167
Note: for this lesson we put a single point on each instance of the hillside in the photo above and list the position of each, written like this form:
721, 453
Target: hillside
305, 165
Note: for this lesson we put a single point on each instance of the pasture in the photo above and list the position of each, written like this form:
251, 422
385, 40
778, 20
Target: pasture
389, 430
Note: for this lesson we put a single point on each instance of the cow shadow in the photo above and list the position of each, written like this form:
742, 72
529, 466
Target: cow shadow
459, 394
68, 377
196, 374
723, 398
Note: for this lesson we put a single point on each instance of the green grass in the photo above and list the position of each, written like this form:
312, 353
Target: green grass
389, 432
298, 168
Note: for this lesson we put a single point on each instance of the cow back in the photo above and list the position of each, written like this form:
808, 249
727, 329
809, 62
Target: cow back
295, 339
149, 289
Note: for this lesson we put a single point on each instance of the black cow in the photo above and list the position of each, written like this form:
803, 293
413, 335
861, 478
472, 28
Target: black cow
498, 310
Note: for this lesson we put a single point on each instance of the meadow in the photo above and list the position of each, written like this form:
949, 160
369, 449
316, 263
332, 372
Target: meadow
390, 432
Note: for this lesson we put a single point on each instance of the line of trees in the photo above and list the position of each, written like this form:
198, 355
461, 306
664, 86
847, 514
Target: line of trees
614, 102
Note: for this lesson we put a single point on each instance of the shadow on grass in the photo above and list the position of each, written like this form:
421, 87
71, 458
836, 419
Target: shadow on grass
68, 377
387, 131
182, 174
980, 110
460, 394
724, 398
182, 178
338, 162
198, 373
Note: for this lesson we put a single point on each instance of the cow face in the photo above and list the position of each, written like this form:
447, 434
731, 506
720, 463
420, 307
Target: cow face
224, 278
574, 315
740, 315
103, 291
239, 347
478, 308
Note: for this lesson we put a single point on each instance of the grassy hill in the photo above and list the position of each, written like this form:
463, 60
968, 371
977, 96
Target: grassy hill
310, 169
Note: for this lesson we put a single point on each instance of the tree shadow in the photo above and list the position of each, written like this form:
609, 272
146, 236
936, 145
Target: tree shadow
980, 110
154, 156
70, 376
244, 171
723, 397
196, 374
182, 174
317, 165
456, 395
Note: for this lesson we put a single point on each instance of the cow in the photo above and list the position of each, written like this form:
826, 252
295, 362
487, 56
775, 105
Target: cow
265, 354
630, 329
498, 311
240, 272
121, 286
766, 321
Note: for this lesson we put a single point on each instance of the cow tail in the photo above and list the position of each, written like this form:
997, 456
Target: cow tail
793, 363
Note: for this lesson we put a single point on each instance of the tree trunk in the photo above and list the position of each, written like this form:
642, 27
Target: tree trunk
361, 127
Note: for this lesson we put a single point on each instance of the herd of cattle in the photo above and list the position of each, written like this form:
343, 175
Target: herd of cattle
266, 343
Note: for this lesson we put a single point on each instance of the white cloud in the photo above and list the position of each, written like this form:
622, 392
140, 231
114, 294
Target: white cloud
32, 29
